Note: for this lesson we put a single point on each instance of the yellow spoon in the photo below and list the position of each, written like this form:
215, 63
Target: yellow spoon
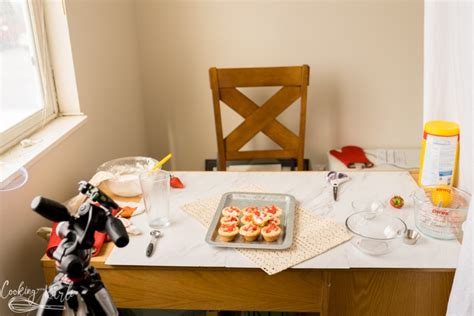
160, 163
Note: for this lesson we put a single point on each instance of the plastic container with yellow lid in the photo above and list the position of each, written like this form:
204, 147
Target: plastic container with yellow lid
439, 153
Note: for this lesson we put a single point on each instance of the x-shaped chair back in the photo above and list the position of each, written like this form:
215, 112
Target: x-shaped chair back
224, 84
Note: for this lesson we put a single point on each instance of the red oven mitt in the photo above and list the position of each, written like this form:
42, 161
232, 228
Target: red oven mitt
350, 155
54, 240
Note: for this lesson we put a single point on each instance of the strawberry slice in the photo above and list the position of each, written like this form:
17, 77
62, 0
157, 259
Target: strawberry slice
270, 228
271, 209
232, 219
176, 183
228, 228
249, 228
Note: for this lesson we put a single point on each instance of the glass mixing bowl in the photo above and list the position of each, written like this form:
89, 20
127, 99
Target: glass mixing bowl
124, 173
440, 211
375, 233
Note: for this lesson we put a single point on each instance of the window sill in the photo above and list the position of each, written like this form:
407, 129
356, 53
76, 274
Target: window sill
44, 140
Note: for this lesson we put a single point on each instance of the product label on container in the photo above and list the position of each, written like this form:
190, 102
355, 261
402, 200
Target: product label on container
439, 160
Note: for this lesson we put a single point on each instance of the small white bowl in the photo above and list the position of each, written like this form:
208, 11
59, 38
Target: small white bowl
124, 174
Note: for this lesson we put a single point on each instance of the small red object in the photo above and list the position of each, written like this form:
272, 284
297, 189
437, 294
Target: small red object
397, 201
176, 183
350, 155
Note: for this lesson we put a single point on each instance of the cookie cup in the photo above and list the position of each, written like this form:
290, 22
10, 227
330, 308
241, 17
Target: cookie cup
251, 210
272, 210
271, 235
231, 211
229, 219
250, 232
228, 235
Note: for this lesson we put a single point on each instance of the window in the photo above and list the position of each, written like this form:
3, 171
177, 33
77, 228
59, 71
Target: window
27, 96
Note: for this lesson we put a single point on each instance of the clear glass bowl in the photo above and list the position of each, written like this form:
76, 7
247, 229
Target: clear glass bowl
375, 233
368, 205
124, 173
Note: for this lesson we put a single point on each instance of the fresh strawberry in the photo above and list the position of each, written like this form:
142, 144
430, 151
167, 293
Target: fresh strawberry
397, 201
176, 183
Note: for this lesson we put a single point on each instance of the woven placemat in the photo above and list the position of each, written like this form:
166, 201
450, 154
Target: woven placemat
313, 236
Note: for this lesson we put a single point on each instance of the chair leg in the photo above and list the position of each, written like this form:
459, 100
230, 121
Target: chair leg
221, 163
300, 163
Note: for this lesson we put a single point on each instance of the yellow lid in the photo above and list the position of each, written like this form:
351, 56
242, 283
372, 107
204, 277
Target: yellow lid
442, 128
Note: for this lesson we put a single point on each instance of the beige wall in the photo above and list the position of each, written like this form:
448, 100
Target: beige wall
105, 58
366, 60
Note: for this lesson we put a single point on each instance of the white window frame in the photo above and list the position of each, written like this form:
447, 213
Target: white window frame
26, 127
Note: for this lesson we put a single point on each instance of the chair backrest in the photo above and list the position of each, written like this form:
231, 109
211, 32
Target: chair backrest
224, 84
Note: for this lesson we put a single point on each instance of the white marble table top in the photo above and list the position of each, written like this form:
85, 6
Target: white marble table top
183, 245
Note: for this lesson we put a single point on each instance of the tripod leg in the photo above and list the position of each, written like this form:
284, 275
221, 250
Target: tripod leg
96, 296
100, 302
52, 297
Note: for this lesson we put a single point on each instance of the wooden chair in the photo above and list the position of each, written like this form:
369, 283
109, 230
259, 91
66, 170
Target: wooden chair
224, 84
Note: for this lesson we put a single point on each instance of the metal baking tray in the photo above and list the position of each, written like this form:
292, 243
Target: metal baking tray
245, 199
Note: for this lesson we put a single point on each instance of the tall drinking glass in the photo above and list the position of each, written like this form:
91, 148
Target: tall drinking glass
156, 194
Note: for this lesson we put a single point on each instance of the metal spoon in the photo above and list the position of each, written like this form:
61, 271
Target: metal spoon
152, 245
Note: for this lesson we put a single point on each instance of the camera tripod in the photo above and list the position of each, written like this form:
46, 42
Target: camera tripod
76, 279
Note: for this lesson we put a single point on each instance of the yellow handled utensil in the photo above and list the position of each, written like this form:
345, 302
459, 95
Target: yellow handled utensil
160, 163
